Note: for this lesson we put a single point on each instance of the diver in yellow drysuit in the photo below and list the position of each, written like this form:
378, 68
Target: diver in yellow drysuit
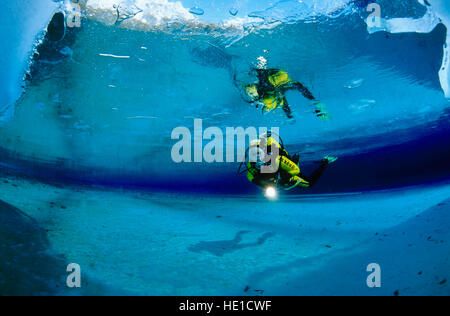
271, 89
287, 173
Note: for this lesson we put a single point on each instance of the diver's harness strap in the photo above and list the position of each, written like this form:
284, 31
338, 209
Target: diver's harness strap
240, 171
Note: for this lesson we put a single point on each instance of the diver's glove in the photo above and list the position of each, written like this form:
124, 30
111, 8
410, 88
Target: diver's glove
321, 111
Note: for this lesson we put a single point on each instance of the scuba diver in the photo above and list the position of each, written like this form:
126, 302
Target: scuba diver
270, 91
269, 87
286, 174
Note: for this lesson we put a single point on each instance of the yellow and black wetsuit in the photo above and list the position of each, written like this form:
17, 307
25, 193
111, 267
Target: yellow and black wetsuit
287, 172
272, 87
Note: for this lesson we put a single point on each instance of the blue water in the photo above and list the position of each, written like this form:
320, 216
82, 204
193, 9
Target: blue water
87, 175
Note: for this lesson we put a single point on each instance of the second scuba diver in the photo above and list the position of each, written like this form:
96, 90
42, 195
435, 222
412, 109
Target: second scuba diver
270, 92
287, 174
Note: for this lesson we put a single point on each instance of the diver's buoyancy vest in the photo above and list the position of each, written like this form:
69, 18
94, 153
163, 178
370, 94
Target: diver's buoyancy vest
272, 101
273, 98
279, 79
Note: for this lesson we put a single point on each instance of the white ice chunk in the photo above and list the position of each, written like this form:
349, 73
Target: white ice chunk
426, 24
438, 11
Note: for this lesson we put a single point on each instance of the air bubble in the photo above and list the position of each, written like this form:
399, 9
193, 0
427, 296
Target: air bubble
234, 11
197, 11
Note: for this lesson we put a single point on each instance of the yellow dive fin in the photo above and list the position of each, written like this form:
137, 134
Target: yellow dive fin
300, 183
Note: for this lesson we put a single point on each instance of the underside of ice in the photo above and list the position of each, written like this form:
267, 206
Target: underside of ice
23, 21
438, 11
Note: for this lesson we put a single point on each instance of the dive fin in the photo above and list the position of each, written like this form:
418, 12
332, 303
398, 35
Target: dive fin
330, 159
